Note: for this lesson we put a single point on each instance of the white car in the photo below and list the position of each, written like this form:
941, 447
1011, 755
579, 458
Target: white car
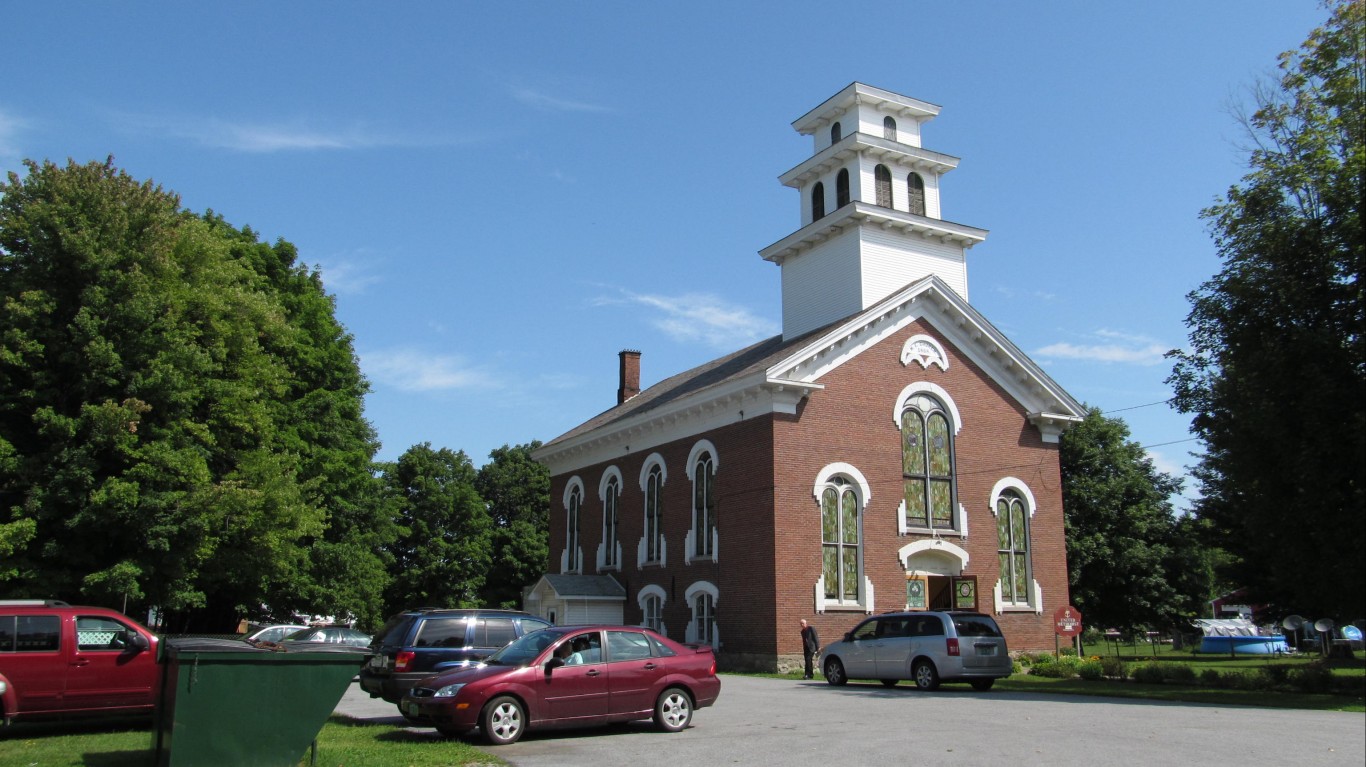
926, 647
274, 633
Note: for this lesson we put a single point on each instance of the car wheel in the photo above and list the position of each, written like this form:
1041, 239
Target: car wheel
888, 682
673, 710
982, 685
503, 721
834, 672
926, 677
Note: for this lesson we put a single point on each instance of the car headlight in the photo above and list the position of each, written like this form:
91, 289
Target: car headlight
448, 691
3, 687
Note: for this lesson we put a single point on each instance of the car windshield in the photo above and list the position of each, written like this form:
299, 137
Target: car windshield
976, 626
526, 649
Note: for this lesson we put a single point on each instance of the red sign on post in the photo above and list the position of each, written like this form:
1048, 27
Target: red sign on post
1067, 621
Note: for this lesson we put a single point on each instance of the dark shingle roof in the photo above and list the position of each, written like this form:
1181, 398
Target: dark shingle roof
586, 586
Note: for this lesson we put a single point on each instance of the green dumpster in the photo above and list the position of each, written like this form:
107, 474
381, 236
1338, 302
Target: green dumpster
224, 702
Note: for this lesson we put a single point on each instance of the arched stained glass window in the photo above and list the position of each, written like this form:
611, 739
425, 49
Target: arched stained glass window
840, 540
927, 464
1012, 547
916, 185
883, 182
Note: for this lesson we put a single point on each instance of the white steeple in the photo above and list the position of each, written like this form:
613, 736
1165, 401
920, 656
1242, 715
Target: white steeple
870, 210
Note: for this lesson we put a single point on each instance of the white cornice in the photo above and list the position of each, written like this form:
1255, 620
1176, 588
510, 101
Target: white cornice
857, 93
903, 156
731, 402
863, 214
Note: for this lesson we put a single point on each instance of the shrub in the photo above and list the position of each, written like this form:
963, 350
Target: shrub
1071, 651
1211, 678
1062, 668
1164, 673
1091, 670
1316, 677
1114, 667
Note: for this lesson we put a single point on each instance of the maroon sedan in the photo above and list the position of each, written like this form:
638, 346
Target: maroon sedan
570, 676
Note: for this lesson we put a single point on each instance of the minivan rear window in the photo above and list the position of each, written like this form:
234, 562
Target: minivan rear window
395, 630
976, 626
441, 632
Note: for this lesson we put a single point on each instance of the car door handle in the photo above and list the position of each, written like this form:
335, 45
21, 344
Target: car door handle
81, 662
593, 672
650, 667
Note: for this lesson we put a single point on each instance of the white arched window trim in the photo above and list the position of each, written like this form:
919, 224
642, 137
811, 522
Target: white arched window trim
925, 387
574, 483
864, 491
643, 547
690, 595
653, 591
611, 473
1036, 595
689, 544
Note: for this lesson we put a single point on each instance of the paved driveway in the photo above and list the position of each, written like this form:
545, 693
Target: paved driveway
794, 724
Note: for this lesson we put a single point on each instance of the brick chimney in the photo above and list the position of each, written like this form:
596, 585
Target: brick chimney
630, 375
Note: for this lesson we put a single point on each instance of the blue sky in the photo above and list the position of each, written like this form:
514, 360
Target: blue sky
502, 196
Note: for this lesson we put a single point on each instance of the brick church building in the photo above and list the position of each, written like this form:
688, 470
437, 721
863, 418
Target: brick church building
890, 450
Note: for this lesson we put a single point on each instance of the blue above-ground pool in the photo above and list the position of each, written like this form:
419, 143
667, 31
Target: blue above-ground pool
1245, 645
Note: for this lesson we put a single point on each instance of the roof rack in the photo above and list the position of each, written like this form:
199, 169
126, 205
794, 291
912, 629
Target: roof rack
33, 603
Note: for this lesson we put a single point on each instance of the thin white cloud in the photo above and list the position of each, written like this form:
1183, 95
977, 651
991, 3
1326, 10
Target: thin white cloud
1121, 348
410, 370
693, 317
10, 126
348, 276
267, 137
544, 101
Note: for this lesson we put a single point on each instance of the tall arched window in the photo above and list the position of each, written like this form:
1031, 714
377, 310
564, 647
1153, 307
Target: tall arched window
571, 539
1012, 535
654, 612
840, 541
883, 183
927, 464
610, 502
889, 128
817, 201
842, 188
704, 507
704, 619
835, 133
916, 186
654, 518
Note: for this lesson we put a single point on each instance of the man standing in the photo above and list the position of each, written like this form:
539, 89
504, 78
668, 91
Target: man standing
811, 644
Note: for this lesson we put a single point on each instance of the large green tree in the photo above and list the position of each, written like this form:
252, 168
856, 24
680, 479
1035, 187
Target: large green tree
180, 418
442, 553
1132, 563
1275, 371
517, 491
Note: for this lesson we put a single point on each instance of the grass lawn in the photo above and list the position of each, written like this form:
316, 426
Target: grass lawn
125, 744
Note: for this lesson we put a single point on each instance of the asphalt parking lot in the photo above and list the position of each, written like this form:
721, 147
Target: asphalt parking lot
798, 723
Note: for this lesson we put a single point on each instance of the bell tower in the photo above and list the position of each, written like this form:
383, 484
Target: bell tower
871, 216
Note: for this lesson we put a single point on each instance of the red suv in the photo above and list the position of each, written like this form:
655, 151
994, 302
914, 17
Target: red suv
59, 660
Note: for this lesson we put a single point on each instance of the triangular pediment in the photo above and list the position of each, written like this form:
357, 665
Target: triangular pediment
931, 301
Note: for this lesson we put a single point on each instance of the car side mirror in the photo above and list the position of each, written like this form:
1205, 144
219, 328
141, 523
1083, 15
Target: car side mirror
137, 641
553, 663
848, 636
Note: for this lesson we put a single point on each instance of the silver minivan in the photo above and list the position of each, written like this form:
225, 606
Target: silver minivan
926, 647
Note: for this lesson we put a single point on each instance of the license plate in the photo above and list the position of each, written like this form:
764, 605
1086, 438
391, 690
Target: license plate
986, 649
379, 661
413, 710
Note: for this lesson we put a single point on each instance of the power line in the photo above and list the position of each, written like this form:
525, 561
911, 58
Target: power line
1136, 407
